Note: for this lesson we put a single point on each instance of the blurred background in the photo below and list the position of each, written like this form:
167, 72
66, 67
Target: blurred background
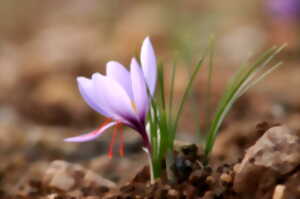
45, 45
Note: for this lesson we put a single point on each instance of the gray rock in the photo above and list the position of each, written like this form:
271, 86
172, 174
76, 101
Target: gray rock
66, 177
273, 157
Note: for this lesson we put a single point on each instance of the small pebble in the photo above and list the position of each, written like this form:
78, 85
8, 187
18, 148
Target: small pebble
91, 197
52, 196
195, 176
189, 191
210, 180
172, 193
236, 168
62, 181
278, 192
226, 178
208, 195
66, 177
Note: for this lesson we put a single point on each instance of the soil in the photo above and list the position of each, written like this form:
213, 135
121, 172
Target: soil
269, 169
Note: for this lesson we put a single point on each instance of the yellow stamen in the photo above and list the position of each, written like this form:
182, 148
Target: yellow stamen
133, 105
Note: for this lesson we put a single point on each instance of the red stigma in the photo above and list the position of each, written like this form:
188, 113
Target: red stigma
121, 149
108, 120
117, 128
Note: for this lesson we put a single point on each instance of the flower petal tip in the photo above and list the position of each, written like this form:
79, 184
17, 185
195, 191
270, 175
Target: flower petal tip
90, 136
147, 39
134, 62
149, 65
96, 75
81, 79
82, 138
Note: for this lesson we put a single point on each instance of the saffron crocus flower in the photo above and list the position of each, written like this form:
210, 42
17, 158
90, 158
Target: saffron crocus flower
121, 96
288, 10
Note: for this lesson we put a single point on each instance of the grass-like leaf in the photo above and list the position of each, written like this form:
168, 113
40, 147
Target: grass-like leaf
161, 85
242, 81
187, 91
171, 95
209, 82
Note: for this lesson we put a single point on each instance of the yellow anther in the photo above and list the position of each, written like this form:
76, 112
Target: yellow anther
133, 105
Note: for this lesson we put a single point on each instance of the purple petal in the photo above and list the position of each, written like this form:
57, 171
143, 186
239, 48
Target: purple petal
99, 91
118, 103
148, 61
118, 72
139, 88
90, 136
285, 9
85, 86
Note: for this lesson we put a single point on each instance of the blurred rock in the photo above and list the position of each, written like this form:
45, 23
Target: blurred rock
65, 176
61, 48
278, 192
292, 186
9, 61
235, 139
270, 159
112, 168
57, 101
